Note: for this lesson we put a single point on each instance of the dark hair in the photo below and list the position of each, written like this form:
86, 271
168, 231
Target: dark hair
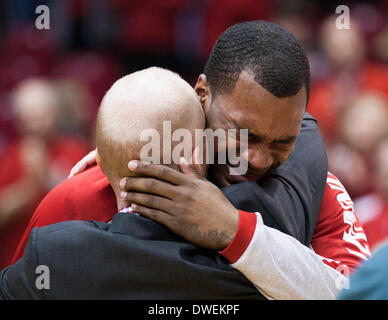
274, 56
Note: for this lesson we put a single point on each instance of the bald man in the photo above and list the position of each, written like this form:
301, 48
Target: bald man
142, 101
130, 257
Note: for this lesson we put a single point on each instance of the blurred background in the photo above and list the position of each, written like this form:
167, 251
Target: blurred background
52, 81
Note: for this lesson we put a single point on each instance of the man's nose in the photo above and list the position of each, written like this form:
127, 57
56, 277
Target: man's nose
259, 157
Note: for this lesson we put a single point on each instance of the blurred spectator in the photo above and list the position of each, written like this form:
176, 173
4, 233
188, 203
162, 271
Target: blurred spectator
373, 208
361, 126
365, 122
351, 168
297, 16
348, 72
92, 71
77, 111
33, 164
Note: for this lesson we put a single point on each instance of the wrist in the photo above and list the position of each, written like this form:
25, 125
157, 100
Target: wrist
242, 236
230, 231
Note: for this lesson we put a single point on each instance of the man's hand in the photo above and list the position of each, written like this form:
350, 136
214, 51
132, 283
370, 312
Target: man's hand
81, 165
186, 203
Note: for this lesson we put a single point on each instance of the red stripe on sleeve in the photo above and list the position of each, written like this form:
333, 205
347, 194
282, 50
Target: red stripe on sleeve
245, 230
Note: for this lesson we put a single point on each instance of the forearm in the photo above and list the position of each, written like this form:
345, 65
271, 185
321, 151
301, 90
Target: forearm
281, 267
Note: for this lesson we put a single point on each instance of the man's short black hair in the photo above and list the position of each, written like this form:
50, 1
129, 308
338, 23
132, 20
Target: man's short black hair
274, 56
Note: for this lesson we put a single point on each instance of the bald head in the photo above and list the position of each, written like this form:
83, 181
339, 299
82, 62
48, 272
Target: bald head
137, 102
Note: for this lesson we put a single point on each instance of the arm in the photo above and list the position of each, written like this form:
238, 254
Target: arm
282, 268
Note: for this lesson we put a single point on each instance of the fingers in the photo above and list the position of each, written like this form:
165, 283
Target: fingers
81, 165
156, 215
148, 200
157, 171
78, 168
90, 158
149, 185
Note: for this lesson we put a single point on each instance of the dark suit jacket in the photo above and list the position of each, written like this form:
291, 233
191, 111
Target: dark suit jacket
131, 258
135, 258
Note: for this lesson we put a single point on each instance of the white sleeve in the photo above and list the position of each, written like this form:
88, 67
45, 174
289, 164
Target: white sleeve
281, 267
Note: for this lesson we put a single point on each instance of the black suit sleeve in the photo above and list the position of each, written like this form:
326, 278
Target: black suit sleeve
18, 281
290, 198
132, 258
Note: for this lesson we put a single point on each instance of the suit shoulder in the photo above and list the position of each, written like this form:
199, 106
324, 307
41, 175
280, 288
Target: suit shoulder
64, 232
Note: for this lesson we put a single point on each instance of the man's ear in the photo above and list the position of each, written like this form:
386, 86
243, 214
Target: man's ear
203, 91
